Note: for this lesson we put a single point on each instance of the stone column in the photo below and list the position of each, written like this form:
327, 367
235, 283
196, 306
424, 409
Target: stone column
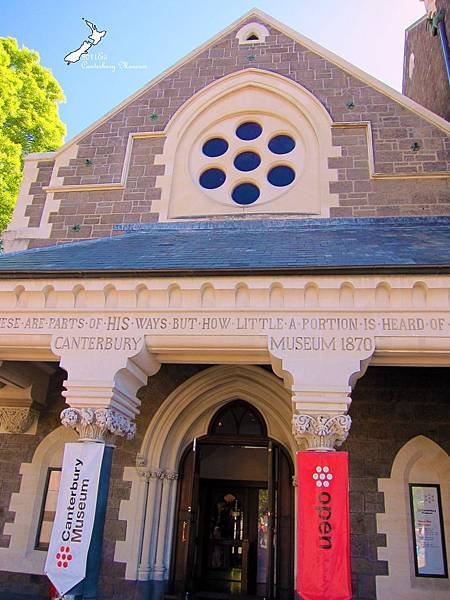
320, 377
154, 477
101, 391
321, 385
157, 530
159, 568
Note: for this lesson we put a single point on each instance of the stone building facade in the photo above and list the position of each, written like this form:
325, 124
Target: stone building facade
425, 76
221, 271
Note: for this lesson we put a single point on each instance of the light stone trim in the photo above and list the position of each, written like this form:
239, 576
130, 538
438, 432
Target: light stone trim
109, 404
17, 419
420, 460
253, 28
147, 472
98, 425
361, 297
321, 432
281, 106
362, 293
56, 184
87, 187
18, 233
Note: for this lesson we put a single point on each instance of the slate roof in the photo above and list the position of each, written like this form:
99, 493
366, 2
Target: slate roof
364, 245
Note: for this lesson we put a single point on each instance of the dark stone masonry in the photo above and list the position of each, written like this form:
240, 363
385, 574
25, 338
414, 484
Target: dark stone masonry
390, 406
395, 129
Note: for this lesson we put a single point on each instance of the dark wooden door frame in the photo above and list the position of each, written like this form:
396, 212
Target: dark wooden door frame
288, 499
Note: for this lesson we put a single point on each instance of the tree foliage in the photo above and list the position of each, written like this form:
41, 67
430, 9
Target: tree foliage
29, 119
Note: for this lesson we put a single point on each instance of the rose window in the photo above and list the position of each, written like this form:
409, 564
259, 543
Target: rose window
247, 161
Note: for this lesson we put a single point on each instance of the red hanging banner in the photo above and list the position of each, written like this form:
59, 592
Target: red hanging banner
323, 534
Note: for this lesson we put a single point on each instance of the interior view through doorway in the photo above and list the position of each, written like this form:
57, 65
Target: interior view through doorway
234, 529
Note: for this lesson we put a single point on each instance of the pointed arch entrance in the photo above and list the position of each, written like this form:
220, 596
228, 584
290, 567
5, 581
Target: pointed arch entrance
234, 514
186, 414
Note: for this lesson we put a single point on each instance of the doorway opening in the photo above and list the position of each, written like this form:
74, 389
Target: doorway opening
234, 529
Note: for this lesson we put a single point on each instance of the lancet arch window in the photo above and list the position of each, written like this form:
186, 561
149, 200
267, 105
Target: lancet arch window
238, 418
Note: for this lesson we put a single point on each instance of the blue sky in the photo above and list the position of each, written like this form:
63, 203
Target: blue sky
154, 35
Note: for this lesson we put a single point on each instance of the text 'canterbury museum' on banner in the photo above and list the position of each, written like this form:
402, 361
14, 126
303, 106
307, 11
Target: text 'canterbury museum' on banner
75, 514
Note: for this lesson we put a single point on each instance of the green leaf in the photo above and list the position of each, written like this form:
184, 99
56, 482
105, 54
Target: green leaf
29, 117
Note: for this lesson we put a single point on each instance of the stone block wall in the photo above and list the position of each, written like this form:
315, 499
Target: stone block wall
86, 214
390, 406
425, 76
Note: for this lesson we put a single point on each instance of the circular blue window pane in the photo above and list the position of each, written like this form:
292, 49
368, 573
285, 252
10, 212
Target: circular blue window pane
212, 179
249, 131
245, 193
281, 176
247, 161
215, 147
281, 144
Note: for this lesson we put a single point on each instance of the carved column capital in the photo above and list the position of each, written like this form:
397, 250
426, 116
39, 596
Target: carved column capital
103, 402
15, 419
321, 432
147, 472
98, 425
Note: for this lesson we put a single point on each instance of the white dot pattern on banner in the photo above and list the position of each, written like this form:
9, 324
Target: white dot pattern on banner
322, 476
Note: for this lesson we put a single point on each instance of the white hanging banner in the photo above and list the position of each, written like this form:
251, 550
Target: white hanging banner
75, 513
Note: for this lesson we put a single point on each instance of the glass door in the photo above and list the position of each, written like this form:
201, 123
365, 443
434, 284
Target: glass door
234, 536
263, 542
225, 557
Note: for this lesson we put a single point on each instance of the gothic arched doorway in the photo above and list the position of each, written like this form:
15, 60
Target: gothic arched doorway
235, 511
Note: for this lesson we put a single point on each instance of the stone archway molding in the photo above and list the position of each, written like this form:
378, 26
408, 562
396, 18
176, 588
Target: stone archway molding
263, 95
184, 415
420, 460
